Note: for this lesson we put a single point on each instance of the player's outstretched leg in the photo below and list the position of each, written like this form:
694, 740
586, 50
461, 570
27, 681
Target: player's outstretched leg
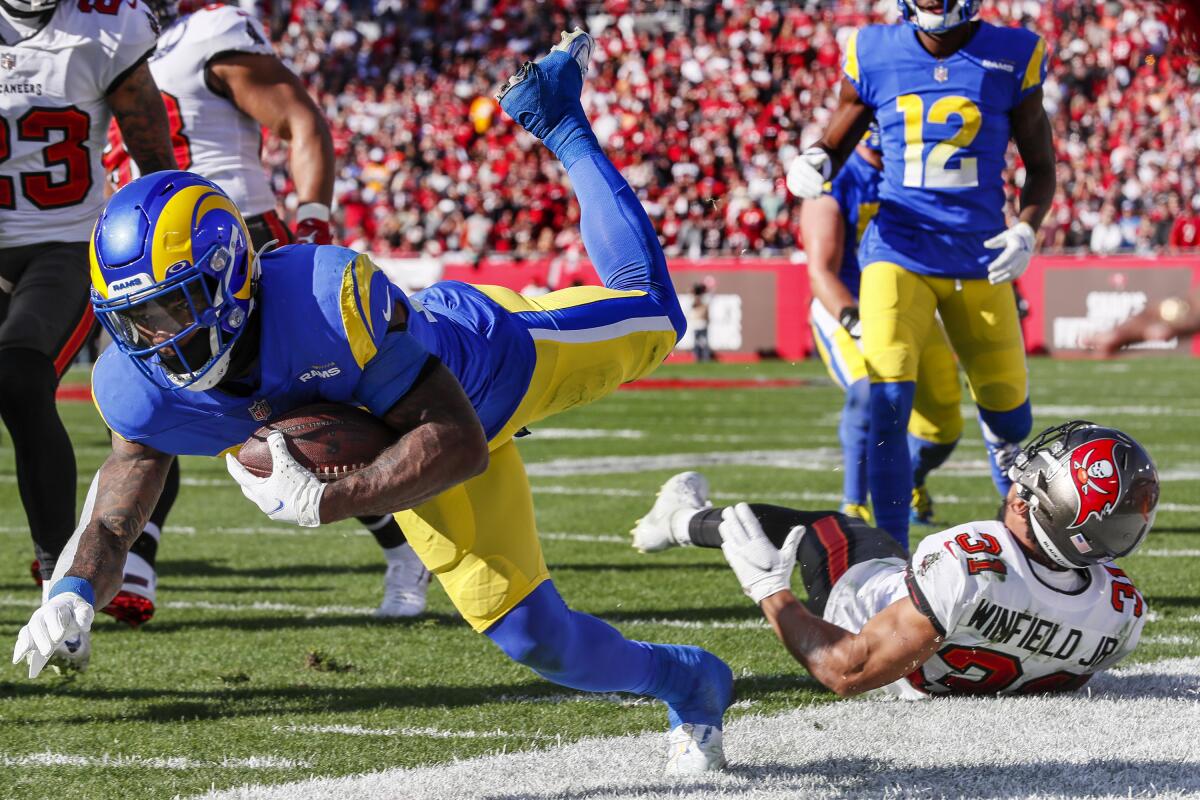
543, 97
580, 651
888, 463
853, 430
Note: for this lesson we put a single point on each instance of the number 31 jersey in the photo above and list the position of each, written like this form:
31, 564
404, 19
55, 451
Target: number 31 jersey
54, 84
1007, 625
211, 136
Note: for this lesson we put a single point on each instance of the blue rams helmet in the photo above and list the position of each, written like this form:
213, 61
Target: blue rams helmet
952, 14
173, 277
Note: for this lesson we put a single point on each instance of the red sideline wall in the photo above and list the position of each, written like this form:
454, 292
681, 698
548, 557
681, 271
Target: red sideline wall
764, 302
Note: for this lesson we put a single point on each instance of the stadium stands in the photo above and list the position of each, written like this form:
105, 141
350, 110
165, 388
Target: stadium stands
698, 102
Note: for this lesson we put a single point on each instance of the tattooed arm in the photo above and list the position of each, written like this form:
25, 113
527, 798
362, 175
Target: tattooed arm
138, 107
131, 480
443, 444
892, 644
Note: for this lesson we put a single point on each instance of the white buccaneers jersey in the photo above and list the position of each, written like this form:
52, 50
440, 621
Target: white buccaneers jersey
54, 83
1006, 627
211, 136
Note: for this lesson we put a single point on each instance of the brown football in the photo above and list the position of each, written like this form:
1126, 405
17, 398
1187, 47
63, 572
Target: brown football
330, 439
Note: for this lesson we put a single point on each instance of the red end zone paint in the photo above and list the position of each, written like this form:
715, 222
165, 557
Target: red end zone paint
713, 383
77, 393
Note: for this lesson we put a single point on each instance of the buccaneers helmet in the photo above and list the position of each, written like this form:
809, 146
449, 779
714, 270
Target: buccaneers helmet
1092, 492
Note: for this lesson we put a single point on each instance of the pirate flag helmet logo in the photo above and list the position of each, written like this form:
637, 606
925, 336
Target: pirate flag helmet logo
1092, 492
1097, 480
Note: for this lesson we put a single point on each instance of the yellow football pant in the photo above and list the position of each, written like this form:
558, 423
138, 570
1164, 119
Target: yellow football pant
981, 321
480, 538
937, 413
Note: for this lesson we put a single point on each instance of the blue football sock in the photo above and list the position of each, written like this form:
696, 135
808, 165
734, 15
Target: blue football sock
1003, 432
583, 652
927, 456
853, 430
619, 238
889, 468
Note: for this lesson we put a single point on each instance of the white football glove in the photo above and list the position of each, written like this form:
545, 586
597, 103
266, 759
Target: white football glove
62, 617
808, 173
1018, 242
289, 494
761, 569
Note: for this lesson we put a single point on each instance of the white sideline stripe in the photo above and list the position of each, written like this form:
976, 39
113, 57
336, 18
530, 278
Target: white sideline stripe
1095, 411
51, 759
1168, 553
1170, 640
262, 605
588, 433
432, 733
604, 332
1049, 747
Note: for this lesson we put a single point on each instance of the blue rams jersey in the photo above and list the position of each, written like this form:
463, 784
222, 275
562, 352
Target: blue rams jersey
325, 318
856, 190
945, 127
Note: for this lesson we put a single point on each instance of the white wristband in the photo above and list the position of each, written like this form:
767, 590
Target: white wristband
313, 211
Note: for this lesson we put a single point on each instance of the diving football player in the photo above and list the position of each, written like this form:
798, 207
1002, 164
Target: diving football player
1032, 603
948, 93
211, 341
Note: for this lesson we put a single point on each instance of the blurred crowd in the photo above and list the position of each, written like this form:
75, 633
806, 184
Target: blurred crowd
700, 103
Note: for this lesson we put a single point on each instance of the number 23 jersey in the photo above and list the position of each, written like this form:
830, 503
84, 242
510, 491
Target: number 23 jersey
945, 126
54, 84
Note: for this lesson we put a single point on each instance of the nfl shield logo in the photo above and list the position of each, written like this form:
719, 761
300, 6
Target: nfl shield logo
8, 61
941, 74
260, 410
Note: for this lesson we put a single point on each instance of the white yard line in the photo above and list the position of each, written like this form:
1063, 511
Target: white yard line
1158, 553
1048, 747
51, 759
430, 733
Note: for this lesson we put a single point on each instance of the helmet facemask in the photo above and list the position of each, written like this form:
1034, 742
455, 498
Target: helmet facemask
184, 329
953, 14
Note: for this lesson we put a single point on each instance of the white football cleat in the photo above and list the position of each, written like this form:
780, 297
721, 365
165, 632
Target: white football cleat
693, 749
687, 491
405, 585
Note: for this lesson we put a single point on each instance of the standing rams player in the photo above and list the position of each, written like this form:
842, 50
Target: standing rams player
1033, 603
831, 227
223, 84
948, 93
65, 69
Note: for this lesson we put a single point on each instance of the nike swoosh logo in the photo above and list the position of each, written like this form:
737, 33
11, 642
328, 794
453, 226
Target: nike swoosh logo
275, 509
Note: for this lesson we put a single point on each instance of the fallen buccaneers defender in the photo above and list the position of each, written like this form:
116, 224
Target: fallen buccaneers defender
1031, 604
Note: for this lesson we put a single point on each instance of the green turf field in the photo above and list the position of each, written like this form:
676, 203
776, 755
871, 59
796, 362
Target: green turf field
223, 686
